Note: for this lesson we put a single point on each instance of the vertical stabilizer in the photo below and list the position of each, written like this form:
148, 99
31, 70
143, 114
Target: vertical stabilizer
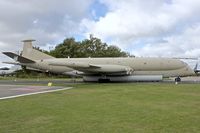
31, 53
28, 43
27, 47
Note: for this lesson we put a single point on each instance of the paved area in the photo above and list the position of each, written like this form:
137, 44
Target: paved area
192, 80
40, 81
12, 91
188, 80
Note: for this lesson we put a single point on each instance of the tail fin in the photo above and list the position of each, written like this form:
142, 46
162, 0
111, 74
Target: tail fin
31, 53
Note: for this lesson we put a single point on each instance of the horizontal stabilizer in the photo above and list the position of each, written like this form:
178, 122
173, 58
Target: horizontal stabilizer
18, 58
12, 63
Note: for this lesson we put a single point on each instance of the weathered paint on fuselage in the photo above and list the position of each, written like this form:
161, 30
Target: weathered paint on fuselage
44, 66
141, 66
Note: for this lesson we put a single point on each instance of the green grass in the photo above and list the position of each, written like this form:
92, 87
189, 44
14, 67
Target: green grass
106, 108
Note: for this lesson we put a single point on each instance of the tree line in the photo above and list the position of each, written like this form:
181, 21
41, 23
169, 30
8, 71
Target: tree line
92, 47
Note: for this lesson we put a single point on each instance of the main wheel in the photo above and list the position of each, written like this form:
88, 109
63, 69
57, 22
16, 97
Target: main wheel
178, 79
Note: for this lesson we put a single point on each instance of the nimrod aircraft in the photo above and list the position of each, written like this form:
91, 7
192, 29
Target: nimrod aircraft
104, 69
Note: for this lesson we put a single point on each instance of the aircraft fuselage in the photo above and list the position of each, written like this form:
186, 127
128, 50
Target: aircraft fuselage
149, 67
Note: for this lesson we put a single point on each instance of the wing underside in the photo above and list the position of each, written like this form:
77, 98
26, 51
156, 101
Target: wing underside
110, 69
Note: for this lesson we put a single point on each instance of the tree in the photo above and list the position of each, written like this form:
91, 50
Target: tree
65, 49
92, 47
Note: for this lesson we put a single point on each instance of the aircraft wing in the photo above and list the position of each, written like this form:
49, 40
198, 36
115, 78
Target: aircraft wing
18, 58
96, 68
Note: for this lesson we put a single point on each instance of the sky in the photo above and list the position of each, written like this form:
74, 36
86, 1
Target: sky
147, 28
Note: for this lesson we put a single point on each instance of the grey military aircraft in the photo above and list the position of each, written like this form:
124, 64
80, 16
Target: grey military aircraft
9, 71
104, 69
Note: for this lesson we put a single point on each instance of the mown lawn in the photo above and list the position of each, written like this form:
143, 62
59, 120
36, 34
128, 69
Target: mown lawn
106, 108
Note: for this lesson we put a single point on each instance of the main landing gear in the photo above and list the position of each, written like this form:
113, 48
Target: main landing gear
177, 79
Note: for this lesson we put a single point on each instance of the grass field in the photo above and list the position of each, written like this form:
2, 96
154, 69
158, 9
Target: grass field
106, 108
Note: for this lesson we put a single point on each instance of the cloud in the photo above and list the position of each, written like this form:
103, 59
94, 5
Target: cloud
46, 21
145, 28
22, 17
145, 25
185, 44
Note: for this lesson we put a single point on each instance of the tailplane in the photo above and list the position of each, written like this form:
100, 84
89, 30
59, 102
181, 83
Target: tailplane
33, 54
18, 58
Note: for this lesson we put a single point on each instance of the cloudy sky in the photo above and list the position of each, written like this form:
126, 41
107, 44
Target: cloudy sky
162, 28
